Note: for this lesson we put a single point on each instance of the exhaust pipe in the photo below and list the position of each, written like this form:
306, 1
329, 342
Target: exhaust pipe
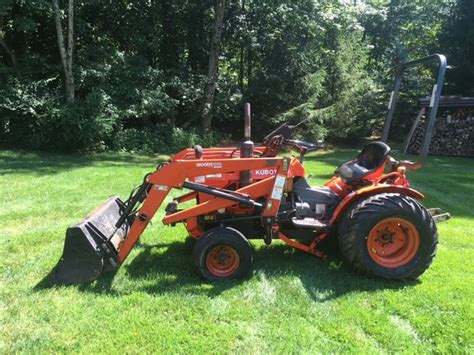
246, 148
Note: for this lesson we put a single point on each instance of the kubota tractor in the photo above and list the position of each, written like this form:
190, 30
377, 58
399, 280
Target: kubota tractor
249, 192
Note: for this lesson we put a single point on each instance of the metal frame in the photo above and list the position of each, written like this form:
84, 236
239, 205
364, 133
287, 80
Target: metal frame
435, 96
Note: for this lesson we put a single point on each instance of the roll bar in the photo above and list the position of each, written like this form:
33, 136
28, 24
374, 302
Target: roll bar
434, 102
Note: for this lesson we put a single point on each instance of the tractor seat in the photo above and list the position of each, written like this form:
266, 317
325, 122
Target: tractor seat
370, 159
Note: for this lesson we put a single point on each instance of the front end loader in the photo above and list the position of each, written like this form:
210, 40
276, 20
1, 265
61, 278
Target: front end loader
250, 192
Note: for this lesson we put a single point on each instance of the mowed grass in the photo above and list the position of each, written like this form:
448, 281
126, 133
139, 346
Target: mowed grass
293, 302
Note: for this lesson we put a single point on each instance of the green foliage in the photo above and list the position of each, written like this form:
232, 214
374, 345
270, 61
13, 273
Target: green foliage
117, 103
33, 118
458, 39
142, 65
162, 138
401, 30
344, 104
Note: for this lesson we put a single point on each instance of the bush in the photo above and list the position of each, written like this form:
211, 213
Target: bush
346, 103
124, 107
162, 138
33, 117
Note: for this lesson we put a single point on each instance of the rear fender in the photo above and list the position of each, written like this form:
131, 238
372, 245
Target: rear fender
370, 191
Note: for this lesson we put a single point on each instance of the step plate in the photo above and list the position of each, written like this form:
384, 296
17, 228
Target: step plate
308, 223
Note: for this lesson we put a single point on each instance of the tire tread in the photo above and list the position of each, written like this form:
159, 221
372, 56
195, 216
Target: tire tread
355, 219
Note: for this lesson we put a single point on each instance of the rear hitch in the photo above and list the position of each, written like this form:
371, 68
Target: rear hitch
439, 215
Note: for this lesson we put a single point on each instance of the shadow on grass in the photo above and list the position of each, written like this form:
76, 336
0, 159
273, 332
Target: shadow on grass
40, 163
168, 268
103, 285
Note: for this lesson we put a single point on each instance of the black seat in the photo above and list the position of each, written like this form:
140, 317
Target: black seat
370, 159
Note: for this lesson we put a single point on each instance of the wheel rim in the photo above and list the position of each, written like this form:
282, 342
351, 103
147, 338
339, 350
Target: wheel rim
393, 242
222, 260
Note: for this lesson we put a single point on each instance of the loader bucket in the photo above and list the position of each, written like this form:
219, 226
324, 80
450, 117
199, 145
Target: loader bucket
91, 246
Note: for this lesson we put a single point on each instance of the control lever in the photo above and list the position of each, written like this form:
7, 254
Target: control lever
411, 165
403, 163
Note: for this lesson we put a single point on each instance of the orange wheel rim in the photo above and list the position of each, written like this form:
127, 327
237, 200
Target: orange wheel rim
222, 260
393, 242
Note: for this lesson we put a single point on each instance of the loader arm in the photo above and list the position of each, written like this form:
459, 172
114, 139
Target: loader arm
104, 238
174, 175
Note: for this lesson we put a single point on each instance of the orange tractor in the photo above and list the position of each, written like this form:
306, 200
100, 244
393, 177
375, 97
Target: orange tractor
249, 192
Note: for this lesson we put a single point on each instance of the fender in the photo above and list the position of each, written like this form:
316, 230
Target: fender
370, 191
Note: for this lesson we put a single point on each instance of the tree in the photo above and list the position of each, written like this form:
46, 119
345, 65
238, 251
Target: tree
66, 52
457, 40
213, 64
134, 68
3, 43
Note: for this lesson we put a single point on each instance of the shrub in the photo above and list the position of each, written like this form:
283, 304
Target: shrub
33, 117
162, 138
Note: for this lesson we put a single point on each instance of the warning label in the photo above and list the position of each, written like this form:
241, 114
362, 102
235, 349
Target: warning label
278, 188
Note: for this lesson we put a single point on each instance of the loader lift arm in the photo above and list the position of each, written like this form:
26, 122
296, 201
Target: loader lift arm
175, 175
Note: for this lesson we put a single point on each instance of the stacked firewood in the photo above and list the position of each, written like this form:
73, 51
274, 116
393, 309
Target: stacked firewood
453, 134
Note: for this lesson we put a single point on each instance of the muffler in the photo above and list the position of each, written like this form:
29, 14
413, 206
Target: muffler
91, 246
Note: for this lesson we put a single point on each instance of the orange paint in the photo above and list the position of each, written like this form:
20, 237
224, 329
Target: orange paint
222, 261
393, 242
369, 191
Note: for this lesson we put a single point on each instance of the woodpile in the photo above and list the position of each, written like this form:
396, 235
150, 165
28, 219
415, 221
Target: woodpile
449, 101
453, 134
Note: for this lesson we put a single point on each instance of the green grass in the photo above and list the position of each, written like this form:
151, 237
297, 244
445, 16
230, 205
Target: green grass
293, 302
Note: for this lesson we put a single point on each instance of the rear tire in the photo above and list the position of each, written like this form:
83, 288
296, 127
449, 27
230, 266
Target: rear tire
388, 235
222, 253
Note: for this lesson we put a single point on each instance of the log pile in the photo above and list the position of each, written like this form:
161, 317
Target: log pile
449, 101
453, 134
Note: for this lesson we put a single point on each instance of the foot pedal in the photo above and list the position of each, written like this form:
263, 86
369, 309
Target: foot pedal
438, 214
308, 222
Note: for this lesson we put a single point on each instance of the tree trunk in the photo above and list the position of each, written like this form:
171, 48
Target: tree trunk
169, 50
194, 21
241, 69
213, 64
66, 53
242, 54
70, 49
10, 51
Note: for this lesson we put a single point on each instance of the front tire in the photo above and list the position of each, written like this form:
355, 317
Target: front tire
388, 235
222, 253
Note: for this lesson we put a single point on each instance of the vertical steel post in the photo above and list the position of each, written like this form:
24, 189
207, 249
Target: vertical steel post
435, 96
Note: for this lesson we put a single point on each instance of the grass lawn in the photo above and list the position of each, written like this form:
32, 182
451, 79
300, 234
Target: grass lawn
293, 302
